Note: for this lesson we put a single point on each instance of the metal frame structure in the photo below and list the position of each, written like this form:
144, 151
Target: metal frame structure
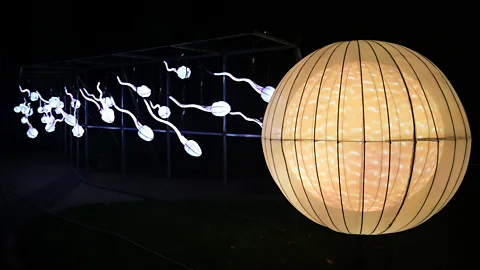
191, 50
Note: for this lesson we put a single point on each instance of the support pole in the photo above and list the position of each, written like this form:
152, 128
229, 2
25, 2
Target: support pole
70, 133
85, 135
77, 141
169, 150
122, 118
65, 144
224, 130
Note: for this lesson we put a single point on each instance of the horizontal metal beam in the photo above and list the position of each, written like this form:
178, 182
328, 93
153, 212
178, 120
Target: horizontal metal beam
172, 131
130, 56
193, 57
186, 48
275, 39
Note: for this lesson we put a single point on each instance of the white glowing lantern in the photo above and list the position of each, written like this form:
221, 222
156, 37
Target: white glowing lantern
54, 102
108, 115
47, 108
183, 72
266, 93
17, 109
24, 109
144, 91
78, 131
44, 119
40, 110
192, 148
146, 133
70, 120
75, 104
24, 120
164, 112
220, 108
32, 133
50, 119
50, 127
34, 96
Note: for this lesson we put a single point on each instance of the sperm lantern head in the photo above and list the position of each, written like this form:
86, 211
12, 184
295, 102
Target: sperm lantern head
221, 108
50, 127
75, 104
32, 133
17, 109
58, 110
54, 102
24, 108
108, 115
24, 120
50, 119
78, 131
44, 119
267, 93
192, 148
70, 120
34, 96
146, 133
47, 108
183, 72
144, 91
164, 112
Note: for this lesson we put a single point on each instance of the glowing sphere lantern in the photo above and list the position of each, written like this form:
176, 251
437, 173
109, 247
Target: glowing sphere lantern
366, 137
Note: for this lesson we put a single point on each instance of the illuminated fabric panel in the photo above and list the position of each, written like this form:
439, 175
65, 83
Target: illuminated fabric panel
366, 137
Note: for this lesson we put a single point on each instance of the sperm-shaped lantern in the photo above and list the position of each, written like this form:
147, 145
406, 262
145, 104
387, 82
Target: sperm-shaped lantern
190, 146
142, 90
144, 132
163, 111
219, 108
183, 72
50, 127
78, 131
32, 95
47, 117
71, 120
23, 108
104, 100
248, 118
265, 92
32, 132
75, 103
106, 113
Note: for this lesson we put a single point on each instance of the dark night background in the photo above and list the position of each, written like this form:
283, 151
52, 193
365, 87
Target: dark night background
41, 32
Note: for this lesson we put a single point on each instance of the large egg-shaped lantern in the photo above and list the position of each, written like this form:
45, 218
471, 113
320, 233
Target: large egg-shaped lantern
366, 137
